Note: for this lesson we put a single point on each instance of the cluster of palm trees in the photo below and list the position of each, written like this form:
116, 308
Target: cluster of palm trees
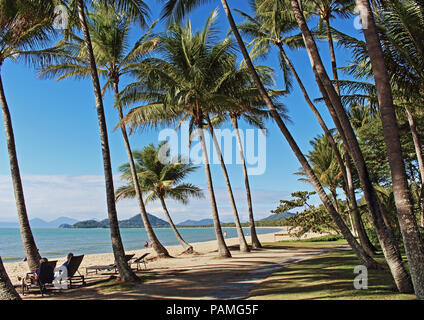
181, 75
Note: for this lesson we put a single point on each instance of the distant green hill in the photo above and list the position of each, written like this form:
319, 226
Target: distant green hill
137, 222
279, 216
134, 222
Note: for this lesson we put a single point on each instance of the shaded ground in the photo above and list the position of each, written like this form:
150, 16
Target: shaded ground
218, 279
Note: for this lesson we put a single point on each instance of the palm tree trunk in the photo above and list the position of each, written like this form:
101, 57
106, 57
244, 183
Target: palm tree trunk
414, 245
31, 251
363, 237
222, 247
157, 246
187, 247
356, 247
256, 244
315, 112
332, 55
346, 170
242, 240
336, 204
388, 243
418, 152
125, 271
359, 225
7, 290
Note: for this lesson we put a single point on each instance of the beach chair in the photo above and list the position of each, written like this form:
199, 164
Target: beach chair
108, 267
139, 261
73, 267
45, 278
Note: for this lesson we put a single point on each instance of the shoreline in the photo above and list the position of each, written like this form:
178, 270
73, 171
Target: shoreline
204, 251
16, 259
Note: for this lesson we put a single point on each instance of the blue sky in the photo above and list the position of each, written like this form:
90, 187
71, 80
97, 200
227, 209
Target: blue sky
59, 152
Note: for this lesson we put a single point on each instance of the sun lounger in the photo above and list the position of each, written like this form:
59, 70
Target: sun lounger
65, 276
73, 267
139, 261
44, 280
109, 267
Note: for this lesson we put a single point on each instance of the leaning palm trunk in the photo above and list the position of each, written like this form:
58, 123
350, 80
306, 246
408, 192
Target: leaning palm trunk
386, 238
125, 271
344, 168
187, 247
242, 240
418, 152
157, 246
7, 290
222, 247
359, 225
363, 237
356, 247
332, 54
414, 245
31, 251
253, 235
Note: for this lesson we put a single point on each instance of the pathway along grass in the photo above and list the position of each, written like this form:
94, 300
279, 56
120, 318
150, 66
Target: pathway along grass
326, 277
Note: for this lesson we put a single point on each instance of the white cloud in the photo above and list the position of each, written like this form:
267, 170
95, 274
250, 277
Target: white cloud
83, 197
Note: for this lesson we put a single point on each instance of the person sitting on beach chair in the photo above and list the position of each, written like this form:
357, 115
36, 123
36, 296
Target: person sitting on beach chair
65, 274
43, 276
68, 259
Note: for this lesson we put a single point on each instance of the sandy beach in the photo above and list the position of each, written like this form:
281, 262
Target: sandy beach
185, 267
204, 252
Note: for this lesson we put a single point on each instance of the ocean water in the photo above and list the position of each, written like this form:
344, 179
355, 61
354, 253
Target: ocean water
54, 243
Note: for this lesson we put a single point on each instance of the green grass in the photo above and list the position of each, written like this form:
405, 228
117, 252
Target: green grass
326, 277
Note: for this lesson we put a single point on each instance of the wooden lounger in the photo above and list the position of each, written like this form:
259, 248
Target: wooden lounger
108, 267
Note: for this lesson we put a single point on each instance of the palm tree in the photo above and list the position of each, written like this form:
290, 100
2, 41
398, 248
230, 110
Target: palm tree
333, 102
7, 290
326, 10
402, 39
324, 165
138, 11
179, 88
256, 244
177, 10
272, 25
242, 240
246, 103
328, 171
162, 180
109, 31
25, 26
419, 154
236, 85
413, 241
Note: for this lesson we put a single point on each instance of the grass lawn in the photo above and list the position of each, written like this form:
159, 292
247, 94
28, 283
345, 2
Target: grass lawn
328, 277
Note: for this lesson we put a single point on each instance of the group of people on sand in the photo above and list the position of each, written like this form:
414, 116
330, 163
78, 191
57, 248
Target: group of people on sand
148, 244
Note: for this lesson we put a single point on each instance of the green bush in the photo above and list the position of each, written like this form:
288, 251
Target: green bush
372, 234
326, 238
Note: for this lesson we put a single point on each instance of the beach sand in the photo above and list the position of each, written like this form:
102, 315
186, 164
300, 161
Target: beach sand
199, 264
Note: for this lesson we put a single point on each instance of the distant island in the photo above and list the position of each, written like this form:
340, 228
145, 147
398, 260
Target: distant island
136, 222
273, 220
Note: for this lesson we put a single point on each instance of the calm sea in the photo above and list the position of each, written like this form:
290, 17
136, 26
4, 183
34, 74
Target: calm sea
58, 242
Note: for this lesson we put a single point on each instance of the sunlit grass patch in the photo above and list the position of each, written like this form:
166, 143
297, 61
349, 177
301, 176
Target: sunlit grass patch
328, 277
